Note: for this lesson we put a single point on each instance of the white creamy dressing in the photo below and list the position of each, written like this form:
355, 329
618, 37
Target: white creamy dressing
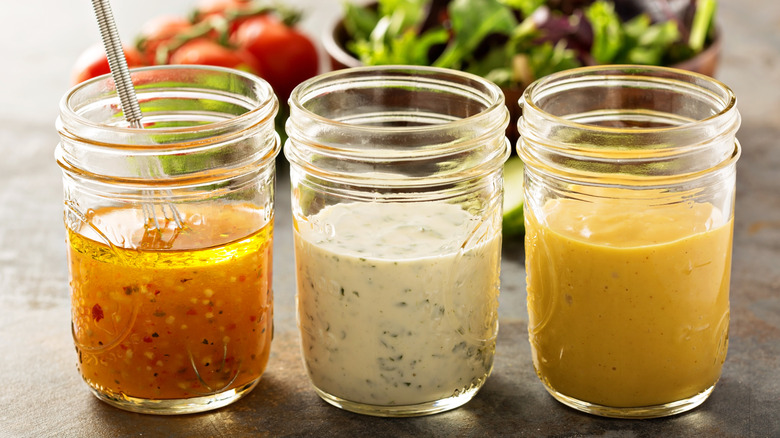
392, 309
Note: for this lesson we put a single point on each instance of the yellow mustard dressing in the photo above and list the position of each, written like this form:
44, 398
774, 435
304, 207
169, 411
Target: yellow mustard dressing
628, 307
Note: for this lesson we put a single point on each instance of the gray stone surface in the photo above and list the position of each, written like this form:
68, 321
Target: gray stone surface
43, 395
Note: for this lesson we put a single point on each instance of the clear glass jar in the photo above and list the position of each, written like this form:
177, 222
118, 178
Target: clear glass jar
397, 186
629, 197
169, 236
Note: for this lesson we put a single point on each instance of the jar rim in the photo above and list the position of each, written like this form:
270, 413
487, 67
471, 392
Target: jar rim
545, 83
496, 96
396, 125
641, 125
261, 111
203, 124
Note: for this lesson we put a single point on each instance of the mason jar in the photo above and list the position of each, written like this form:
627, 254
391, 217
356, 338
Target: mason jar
396, 177
629, 197
169, 235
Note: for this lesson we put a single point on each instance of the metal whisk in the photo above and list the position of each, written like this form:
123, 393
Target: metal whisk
129, 102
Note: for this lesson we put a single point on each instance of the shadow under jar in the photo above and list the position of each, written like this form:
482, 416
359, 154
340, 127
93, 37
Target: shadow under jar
397, 186
170, 235
629, 197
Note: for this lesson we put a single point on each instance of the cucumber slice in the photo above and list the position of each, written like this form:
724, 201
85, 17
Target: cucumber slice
513, 222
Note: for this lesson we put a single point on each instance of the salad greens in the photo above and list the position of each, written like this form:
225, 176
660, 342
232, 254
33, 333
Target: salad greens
635, 42
513, 42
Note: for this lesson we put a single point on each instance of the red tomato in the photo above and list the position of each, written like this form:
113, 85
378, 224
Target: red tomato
208, 52
286, 56
205, 7
93, 62
159, 31
210, 8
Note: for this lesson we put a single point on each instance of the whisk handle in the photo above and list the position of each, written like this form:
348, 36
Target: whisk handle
117, 62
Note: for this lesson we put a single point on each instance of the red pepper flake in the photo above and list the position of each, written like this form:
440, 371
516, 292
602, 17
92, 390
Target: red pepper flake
242, 278
147, 339
192, 312
157, 292
252, 318
231, 326
97, 312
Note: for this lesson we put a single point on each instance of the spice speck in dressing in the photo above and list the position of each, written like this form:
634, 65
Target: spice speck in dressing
192, 320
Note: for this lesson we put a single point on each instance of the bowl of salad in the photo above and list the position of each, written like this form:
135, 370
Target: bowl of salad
514, 42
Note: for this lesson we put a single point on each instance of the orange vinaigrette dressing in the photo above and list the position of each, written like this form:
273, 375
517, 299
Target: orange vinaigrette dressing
188, 321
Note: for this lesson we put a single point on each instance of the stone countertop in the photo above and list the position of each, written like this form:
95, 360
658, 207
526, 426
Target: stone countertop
43, 395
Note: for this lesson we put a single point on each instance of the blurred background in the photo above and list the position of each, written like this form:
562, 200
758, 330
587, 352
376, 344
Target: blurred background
42, 40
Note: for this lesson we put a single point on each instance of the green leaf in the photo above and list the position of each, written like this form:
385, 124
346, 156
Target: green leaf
389, 36
495, 66
472, 21
526, 7
359, 21
407, 48
646, 43
607, 31
703, 20
660, 35
547, 58
637, 26
499, 63
418, 52
405, 13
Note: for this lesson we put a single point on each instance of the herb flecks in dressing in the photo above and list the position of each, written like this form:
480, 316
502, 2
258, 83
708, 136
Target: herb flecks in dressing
392, 309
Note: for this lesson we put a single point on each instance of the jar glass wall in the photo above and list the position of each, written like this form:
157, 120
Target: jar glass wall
629, 197
169, 236
396, 179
